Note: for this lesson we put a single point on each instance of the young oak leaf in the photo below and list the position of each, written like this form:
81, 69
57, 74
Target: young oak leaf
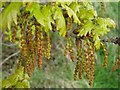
88, 26
23, 84
100, 30
106, 22
46, 10
9, 14
96, 41
110, 23
71, 13
34, 9
5, 84
75, 6
60, 21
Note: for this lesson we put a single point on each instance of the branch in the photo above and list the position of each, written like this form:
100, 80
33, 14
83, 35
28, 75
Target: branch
111, 40
115, 41
6, 59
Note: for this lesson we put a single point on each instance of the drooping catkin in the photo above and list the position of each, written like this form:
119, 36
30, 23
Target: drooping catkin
102, 8
14, 33
106, 55
39, 45
32, 52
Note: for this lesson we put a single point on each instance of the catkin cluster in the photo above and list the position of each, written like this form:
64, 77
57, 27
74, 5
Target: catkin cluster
106, 56
85, 60
33, 44
69, 48
36, 45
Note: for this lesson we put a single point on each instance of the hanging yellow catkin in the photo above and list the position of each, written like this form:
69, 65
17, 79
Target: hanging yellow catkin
70, 48
78, 62
87, 54
28, 58
117, 64
78, 68
66, 50
31, 47
102, 8
14, 32
71, 53
26, 43
48, 47
19, 61
92, 69
24, 51
38, 45
89, 61
106, 56
69, 24
80, 57
40, 60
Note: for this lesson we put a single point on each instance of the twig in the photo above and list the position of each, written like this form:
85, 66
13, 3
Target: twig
113, 40
6, 59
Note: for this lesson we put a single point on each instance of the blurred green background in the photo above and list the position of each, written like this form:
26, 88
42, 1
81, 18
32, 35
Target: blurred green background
58, 71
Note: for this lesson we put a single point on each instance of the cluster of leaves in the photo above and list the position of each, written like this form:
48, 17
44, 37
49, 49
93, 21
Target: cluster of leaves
17, 80
83, 14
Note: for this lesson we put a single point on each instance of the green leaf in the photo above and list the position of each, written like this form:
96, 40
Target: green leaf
102, 26
71, 13
26, 83
34, 9
88, 4
26, 77
9, 14
87, 14
100, 30
19, 85
23, 84
13, 79
75, 6
14, 16
96, 41
9, 34
67, 2
46, 10
19, 72
6, 84
106, 22
110, 23
60, 21
9, 19
88, 26
101, 22
17, 80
